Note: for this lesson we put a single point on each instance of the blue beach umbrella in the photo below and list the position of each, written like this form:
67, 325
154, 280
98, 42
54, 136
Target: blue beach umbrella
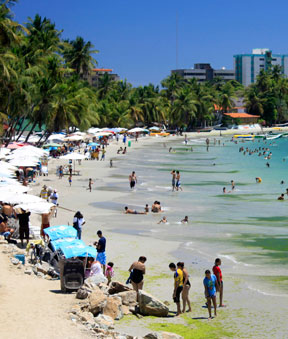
93, 144
62, 231
56, 244
78, 250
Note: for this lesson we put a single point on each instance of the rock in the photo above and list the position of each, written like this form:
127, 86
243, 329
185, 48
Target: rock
87, 317
113, 308
76, 309
43, 268
104, 321
95, 280
97, 301
162, 335
149, 305
15, 261
40, 275
28, 270
117, 287
83, 293
126, 310
128, 297
104, 288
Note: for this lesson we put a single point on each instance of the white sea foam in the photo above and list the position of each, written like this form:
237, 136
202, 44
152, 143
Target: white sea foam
231, 258
265, 293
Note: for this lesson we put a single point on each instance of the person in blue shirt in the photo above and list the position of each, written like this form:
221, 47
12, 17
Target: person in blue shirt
101, 247
211, 286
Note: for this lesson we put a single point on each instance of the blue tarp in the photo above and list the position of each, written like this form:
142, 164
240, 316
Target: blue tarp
56, 244
59, 232
93, 144
78, 250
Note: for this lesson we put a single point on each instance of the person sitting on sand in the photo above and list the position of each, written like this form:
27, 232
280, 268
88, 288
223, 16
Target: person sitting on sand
258, 180
185, 220
129, 211
4, 229
162, 221
120, 150
281, 197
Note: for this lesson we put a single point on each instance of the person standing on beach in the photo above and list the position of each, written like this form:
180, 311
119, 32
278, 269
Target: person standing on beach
218, 273
186, 139
186, 287
178, 286
137, 270
78, 222
103, 154
173, 173
101, 248
178, 182
44, 193
70, 180
210, 285
90, 183
23, 218
54, 199
124, 139
132, 180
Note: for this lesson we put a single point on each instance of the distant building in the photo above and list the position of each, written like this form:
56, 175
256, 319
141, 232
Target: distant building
248, 66
97, 73
204, 72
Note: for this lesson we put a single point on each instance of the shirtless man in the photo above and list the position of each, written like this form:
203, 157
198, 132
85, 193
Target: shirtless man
46, 221
178, 182
132, 180
162, 221
156, 207
173, 173
129, 211
185, 220
4, 229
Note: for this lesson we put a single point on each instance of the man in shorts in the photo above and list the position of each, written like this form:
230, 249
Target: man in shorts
178, 286
132, 180
210, 284
173, 173
101, 247
218, 273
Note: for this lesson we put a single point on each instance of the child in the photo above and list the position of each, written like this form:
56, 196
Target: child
109, 271
90, 184
70, 180
163, 221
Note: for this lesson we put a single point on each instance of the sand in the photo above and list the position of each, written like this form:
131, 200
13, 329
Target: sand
33, 307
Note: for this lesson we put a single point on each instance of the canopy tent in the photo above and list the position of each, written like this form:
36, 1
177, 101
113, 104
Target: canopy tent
63, 242
138, 130
78, 250
37, 208
59, 232
73, 156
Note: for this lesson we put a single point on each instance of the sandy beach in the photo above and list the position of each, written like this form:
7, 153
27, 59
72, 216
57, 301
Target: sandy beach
33, 307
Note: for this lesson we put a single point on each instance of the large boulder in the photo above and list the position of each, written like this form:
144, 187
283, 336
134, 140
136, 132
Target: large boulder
117, 287
95, 280
113, 308
105, 321
97, 301
128, 297
87, 317
149, 305
83, 293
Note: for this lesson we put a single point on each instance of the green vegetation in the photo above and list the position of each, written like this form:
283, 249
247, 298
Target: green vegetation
43, 84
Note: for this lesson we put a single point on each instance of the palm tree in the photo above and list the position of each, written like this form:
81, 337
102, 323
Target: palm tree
78, 55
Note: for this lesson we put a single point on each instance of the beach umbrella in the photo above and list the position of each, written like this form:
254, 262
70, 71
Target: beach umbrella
15, 145
78, 250
24, 162
3, 152
73, 156
103, 134
56, 244
59, 232
74, 138
154, 128
20, 198
93, 144
13, 188
37, 208
52, 144
94, 130
138, 130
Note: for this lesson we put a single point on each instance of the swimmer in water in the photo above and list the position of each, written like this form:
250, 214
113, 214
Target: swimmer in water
129, 211
281, 197
185, 220
146, 209
232, 185
282, 182
258, 180
162, 221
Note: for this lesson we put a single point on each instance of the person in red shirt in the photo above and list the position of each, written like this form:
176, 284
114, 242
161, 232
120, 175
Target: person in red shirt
218, 273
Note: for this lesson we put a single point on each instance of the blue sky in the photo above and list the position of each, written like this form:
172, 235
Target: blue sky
137, 39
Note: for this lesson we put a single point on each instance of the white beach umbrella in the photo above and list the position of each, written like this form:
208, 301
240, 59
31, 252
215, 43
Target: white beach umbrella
5, 181
154, 128
37, 208
56, 137
94, 130
73, 156
3, 152
74, 138
103, 134
24, 162
137, 130
13, 188
7, 166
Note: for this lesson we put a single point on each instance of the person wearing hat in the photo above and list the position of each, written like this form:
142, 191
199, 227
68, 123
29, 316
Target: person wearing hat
44, 193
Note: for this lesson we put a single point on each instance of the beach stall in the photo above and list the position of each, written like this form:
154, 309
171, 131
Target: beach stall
73, 157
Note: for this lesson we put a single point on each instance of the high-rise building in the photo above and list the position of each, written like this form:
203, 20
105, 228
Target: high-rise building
204, 72
95, 75
248, 66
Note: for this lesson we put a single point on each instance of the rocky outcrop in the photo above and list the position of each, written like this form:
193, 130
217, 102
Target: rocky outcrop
129, 298
97, 301
149, 305
113, 308
117, 287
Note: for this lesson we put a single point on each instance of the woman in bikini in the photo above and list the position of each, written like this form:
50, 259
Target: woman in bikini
186, 287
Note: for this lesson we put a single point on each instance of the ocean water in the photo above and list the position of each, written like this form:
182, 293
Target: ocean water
248, 227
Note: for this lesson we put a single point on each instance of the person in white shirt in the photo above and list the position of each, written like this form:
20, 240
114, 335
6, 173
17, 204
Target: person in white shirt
54, 199
78, 222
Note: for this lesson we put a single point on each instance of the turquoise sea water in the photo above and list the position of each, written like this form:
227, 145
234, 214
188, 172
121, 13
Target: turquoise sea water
248, 227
